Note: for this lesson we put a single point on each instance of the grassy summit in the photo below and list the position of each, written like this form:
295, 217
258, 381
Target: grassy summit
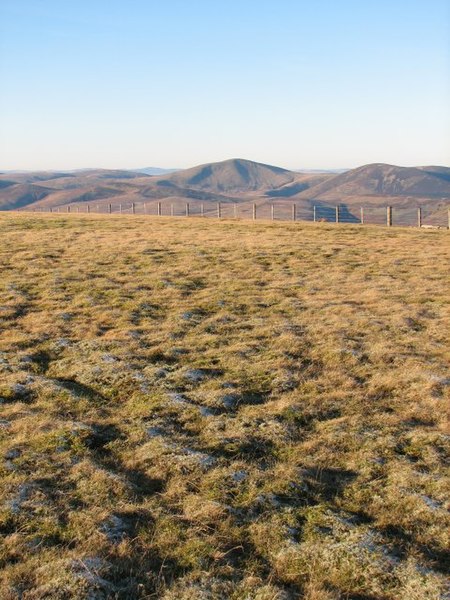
196, 409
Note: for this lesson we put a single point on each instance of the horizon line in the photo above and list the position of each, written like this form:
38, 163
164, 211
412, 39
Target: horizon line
138, 169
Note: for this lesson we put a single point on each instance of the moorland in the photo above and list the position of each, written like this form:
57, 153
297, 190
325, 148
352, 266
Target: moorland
205, 409
235, 183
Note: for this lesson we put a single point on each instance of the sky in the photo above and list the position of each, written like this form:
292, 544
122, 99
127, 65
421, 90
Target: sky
176, 83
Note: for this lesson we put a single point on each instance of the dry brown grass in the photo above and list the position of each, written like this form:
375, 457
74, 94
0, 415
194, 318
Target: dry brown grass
197, 409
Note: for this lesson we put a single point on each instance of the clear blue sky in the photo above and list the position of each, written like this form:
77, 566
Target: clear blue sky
176, 83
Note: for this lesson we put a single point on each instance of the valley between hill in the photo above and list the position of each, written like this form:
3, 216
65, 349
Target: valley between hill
236, 182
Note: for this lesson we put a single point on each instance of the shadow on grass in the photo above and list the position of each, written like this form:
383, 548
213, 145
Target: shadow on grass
80, 389
328, 482
439, 559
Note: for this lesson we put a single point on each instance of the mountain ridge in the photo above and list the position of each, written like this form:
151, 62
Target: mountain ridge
382, 179
232, 180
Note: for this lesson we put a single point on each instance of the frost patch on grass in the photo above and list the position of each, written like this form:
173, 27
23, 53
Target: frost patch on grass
67, 316
24, 491
93, 570
110, 358
179, 399
239, 476
155, 432
433, 504
229, 401
198, 375
115, 529
203, 459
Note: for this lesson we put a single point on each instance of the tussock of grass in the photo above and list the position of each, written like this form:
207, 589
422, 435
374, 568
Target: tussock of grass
240, 410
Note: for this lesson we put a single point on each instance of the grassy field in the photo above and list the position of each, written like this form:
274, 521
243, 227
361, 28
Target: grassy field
212, 410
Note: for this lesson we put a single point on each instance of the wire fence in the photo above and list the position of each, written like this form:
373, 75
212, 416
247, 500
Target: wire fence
437, 216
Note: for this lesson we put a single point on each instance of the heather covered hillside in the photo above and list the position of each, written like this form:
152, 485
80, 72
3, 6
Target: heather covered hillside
237, 180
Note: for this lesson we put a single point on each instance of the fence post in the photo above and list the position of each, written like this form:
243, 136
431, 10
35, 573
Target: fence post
337, 213
389, 216
68, 209
254, 212
98, 208
294, 216
449, 218
109, 208
202, 210
362, 215
145, 208
120, 208
235, 210
133, 208
88, 209
187, 209
171, 210
159, 209
419, 217
314, 214
272, 214
219, 210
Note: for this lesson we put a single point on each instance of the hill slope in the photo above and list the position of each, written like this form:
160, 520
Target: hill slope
17, 195
234, 180
231, 176
385, 181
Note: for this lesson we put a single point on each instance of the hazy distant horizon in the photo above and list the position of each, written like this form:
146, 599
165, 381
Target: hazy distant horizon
173, 169
158, 167
294, 84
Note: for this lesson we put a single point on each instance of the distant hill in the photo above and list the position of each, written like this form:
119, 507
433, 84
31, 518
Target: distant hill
235, 180
384, 180
321, 171
34, 176
231, 176
155, 171
109, 174
21, 194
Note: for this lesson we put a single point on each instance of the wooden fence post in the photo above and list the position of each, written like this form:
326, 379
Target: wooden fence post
109, 208
171, 210
362, 215
449, 218
314, 214
133, 208
389, 216
419, 217
254, 212
120, 208
202, 210
271, 212
219, 210
88, 208
159, 209
68, 209
98, 208
187, 209
235, 210
294, 210
337, 213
